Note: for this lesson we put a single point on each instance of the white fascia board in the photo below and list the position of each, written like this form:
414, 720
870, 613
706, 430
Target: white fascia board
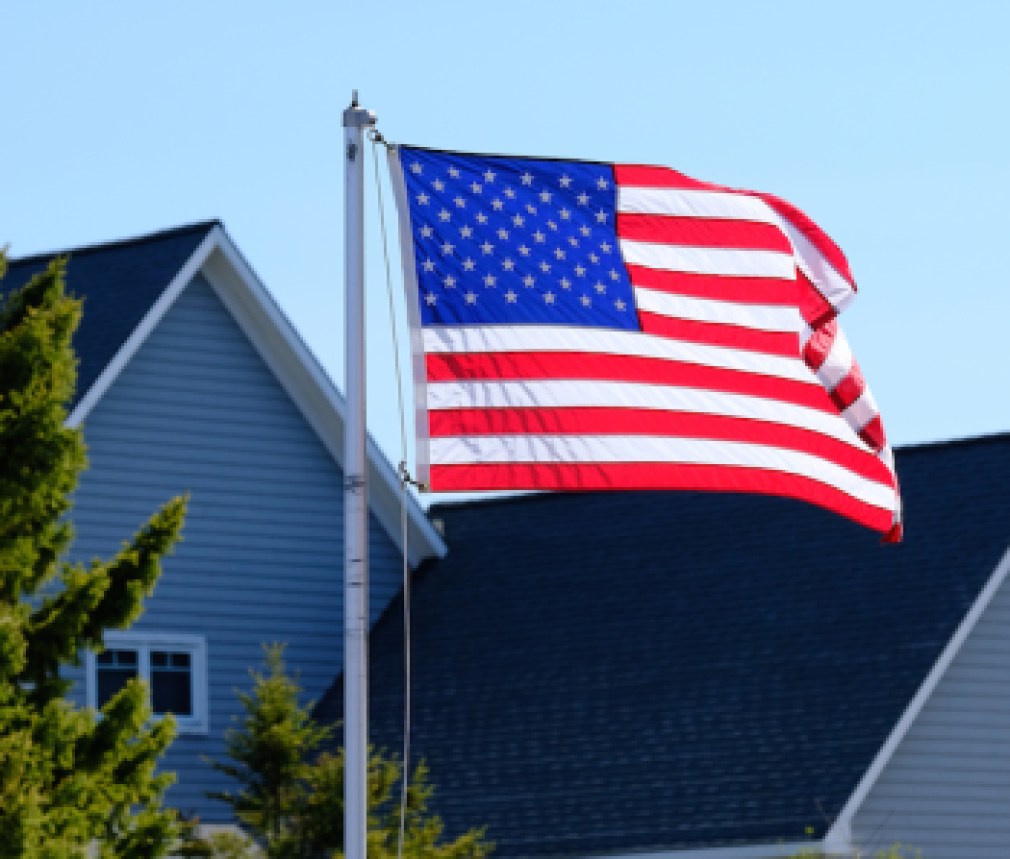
140, 334
839, 837
745, 851
305, 381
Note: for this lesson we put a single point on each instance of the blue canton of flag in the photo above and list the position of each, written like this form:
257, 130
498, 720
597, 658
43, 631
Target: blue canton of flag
516, 241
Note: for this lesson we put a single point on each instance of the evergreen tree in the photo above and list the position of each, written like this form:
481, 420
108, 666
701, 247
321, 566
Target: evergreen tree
291, 795
72, 783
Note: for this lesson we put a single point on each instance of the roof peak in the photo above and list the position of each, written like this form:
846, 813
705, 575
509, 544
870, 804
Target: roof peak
157, 235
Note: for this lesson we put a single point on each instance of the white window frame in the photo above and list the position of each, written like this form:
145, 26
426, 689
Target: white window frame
143, 643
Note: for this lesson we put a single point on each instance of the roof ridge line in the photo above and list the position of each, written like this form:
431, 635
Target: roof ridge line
960, 441
157, 235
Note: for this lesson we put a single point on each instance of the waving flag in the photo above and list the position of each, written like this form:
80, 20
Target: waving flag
580, 325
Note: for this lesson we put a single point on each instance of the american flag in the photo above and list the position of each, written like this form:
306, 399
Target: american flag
581, 325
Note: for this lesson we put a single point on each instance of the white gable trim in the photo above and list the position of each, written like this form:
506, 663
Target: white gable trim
746, 851
142, 331
839, 837
294, 366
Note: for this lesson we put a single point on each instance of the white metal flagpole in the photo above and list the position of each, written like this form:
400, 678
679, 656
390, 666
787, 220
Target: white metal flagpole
356, 120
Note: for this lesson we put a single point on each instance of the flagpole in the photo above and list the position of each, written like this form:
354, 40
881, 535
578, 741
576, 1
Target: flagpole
356, 120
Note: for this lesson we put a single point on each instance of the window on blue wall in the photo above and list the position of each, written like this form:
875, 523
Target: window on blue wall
172, 682
174, 668
112, 671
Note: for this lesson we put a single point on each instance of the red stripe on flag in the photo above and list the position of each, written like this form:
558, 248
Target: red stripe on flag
443, 367
818, 347
450, 423
850, 389
702, 232
752, 290
588, 476
873, 434
646, 176
814, 307
785, 343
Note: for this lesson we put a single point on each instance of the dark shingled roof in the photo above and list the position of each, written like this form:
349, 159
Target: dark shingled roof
636, 671
119, 282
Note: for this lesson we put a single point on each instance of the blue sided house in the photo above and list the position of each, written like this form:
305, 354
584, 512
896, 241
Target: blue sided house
624, 675
192, 381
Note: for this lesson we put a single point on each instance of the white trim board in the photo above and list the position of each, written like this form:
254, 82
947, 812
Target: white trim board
294, 366
839, 837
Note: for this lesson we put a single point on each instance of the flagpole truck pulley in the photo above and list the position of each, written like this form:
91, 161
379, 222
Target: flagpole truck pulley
356, 120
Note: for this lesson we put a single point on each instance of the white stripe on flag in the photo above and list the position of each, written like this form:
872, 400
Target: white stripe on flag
720, 261
695, 204
766, 317
543, 338
636, 448
862, 411
838, 363
569, 393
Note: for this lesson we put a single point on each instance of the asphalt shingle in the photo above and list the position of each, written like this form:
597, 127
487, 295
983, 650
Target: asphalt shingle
637, 671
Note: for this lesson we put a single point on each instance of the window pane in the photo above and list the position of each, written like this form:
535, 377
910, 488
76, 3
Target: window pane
114, 668
171, 683
117, 657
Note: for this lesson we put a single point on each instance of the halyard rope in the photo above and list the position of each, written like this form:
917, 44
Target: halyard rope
376, 138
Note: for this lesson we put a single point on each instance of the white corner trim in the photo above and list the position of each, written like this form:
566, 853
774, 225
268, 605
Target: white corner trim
839, 837
745, 851
143, 330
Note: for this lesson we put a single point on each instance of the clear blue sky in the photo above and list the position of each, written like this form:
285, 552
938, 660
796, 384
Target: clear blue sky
888, 123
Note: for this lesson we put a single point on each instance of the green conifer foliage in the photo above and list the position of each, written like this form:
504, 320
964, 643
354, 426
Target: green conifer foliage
72, 783
291, 795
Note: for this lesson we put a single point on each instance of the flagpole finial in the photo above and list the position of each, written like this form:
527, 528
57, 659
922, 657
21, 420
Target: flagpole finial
356, 116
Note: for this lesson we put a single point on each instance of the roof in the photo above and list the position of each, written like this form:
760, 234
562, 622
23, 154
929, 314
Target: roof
654, 671
127, 286
119, 283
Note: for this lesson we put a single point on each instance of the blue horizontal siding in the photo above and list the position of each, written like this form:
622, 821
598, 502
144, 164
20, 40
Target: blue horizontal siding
198, 411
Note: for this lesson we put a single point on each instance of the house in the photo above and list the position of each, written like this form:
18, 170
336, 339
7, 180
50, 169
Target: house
650, 675
704, 676
192, 381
